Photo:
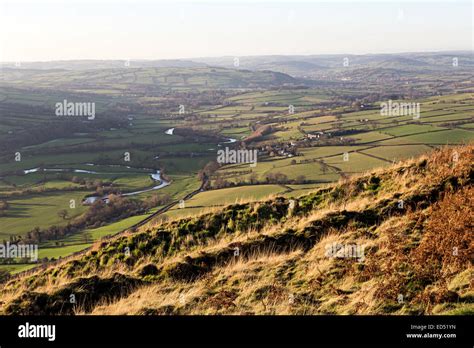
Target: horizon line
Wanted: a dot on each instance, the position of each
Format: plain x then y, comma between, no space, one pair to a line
238,56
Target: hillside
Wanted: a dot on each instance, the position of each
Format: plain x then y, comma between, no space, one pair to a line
306,65
405,232
124,78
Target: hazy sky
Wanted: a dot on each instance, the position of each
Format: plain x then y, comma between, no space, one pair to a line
101,29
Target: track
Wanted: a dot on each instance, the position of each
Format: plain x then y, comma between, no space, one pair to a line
159,211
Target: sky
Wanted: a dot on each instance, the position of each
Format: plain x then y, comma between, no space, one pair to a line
125,29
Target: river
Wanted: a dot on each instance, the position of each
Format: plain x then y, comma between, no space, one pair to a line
89,200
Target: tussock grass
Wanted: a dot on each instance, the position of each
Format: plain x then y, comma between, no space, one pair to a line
266,258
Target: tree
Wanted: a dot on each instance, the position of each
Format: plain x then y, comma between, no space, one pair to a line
300,179
324,167
253,178
4,205
220,182
357,105
270,177
202,175
211,167
280,178
86,237
63,214
157,199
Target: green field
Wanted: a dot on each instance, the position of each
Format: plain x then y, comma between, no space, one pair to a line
313,134
41,211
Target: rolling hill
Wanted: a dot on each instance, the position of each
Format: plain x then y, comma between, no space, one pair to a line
304,65
396,240
122,79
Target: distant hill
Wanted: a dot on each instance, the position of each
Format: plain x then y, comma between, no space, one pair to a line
88,64
295,65
393,241
158,78
330,64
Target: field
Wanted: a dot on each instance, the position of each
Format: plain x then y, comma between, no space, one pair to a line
257,255
174,120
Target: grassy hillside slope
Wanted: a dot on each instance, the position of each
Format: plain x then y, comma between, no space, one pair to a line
405,232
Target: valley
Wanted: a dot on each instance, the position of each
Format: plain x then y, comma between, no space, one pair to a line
152,147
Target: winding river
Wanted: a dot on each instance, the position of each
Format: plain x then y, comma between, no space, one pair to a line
155,176
89,200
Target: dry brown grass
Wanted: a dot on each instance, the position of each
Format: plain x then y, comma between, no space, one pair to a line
410,253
